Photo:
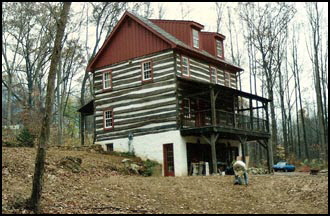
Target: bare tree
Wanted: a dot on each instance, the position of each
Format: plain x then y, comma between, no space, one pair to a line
161,11
296,68
314,17
185,10
219,7
267,24
10,64
45,129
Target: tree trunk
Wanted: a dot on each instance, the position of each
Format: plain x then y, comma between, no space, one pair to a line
284,117
82,116
59,106
45,129
9,101
316,46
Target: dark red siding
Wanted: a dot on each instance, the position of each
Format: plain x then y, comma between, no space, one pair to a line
180,30
130,41
208,43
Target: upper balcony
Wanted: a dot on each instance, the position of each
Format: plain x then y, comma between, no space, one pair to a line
207,108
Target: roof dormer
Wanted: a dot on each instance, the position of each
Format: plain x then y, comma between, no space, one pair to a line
212,43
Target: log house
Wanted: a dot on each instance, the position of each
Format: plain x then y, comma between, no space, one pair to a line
164,89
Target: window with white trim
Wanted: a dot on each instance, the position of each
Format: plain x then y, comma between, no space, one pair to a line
214,76
185,66
195,38
108,119
186,108
107,80
220,76
219,48
146,71
227,79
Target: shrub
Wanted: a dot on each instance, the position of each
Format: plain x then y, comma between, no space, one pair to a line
149,167
25,138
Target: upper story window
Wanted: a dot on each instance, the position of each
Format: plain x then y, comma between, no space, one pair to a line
185,70
108,119
227,79
195,38
147,72
233,83
107,80
213,75
219,45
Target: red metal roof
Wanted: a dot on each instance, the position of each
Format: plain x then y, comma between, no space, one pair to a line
135,36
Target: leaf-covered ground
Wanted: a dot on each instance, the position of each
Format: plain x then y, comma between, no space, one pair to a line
101,188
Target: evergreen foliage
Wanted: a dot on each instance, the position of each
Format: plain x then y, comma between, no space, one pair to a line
25,138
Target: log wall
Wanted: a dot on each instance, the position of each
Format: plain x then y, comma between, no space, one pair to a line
200,70
139,108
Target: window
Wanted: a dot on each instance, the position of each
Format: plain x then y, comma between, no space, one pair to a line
227,79
108,119
185,66
233,83
195,38
219,48
220,77
213,75
107,80
109,147
147,71
186,108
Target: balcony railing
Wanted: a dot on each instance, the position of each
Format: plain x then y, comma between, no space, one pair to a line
194,119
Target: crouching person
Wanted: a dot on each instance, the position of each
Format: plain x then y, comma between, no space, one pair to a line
240,173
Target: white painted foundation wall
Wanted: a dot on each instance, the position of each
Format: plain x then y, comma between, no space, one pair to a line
151,147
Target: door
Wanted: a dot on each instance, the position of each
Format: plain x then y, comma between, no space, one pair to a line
168,160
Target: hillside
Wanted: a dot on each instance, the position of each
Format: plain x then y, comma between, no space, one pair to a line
103,186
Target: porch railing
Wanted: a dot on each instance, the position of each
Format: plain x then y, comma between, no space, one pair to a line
193,119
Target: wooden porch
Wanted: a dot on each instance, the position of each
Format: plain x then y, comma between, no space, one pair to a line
213,111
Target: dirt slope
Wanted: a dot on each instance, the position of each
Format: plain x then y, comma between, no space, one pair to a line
101,189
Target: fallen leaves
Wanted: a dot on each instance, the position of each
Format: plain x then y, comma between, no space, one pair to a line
99,189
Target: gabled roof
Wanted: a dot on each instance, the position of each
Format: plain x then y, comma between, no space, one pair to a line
167,37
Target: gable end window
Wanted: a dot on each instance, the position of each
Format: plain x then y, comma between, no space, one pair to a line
147,71
108,119
195,38
107,80
185,70
219,47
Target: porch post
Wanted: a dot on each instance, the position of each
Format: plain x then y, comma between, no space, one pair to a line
243,143
214,154
251,114
269,155
213,111
234,114
267,116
